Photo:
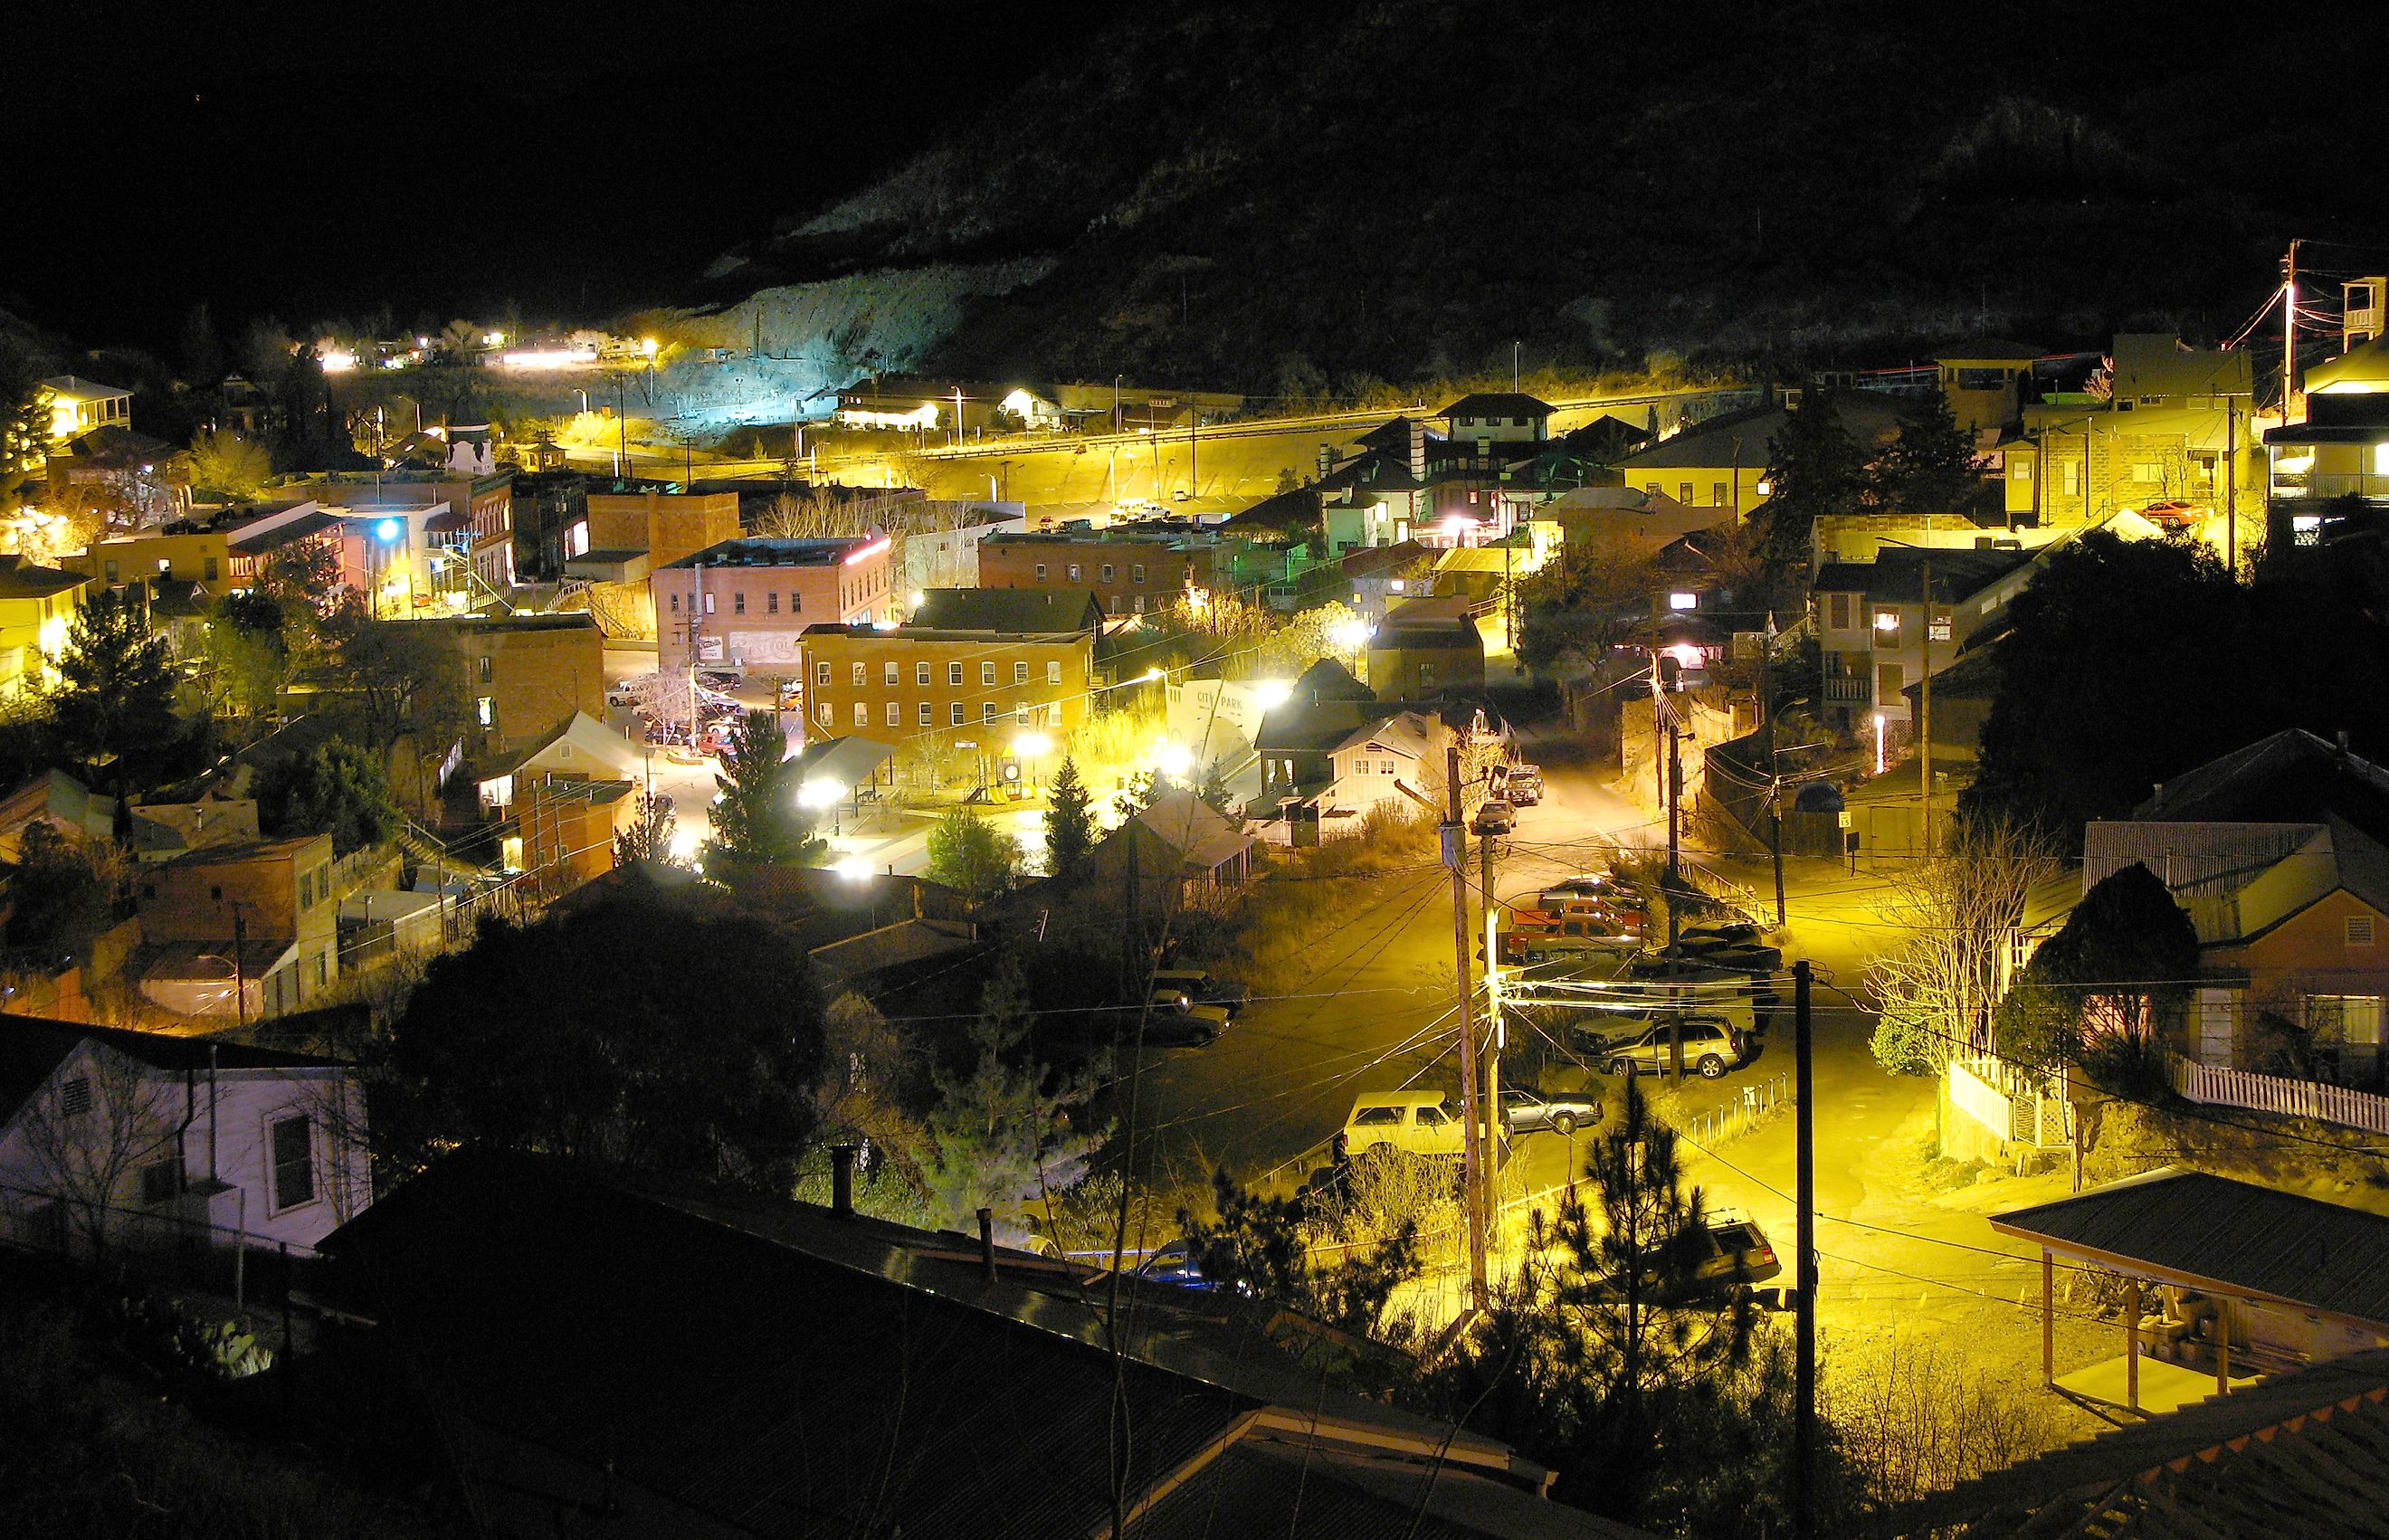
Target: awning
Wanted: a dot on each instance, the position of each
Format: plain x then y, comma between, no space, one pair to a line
842,762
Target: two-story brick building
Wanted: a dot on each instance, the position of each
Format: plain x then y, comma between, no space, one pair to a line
525,674
1130,572
747,603
916,681
239,929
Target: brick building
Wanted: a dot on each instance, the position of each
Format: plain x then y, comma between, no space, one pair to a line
916,681
1130,573
524,675
746,602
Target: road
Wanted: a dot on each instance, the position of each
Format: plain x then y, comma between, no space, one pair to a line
1896,1255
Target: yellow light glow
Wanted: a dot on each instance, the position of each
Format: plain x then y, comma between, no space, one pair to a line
2295,464
1886,620
648,347
495,339
339,361
1171,758
2381,459
818,792
1028,746
1271,693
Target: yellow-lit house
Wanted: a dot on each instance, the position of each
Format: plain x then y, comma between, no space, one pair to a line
78,405
36,605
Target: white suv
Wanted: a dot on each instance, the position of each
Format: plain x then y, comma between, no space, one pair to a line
1416,1123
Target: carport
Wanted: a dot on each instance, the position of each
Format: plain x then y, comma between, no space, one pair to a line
2279,1279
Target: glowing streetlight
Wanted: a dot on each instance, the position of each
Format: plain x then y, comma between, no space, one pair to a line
1271,693
1031,746
1171,759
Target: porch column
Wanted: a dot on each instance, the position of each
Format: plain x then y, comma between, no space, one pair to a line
2048,1321
2222,1344
2132,1347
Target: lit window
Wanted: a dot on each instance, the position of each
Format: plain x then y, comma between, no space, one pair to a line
892,673
821,674
486,709
859,674
709,603
895,714
1020,673
1054,673
1682,601
862,715
986,673
1886,620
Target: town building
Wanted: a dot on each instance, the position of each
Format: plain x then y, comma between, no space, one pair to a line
564,828
579,749
1871,631
1037,611
225,555
1130,572
949,558
1427,647
1987,381
78,405
1331,754
1721,463
245,931
455,531
747,603
922,682
524,674
1168,854
142,1143
551,514
37,603
1498,417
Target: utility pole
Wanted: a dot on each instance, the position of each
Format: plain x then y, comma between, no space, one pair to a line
1489,1100
1924,698
1774,765
1804,1369
2289,329
1194,481
1675,818
2231,488
1455,858
239,994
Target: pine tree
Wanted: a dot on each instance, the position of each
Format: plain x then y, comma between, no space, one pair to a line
24,425
758,822
1071,825
1930,467
1814,468
114,697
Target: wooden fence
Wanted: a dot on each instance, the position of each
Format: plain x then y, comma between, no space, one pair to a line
2014,1104
2271,1093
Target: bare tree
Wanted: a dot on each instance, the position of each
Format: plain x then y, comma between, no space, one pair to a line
92,1129
1917,1418
1959,908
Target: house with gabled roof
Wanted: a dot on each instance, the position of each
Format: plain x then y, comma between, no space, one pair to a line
144,1141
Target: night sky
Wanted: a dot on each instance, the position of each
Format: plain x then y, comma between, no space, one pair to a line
445,158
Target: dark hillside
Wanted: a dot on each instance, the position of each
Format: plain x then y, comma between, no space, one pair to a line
1286,197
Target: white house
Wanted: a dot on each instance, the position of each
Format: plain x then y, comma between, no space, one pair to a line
582,749
135,1140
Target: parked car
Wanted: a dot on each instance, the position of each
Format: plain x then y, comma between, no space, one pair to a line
1536,937
1199,988
1524,786
1711,1047
717,678
1176,1264
1616,913
1732,1252
1413,1122
1496,817
791,695
2177,515
1176,1022
1526,1110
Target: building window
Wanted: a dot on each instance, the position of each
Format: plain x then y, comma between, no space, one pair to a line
486,709
820,709
1136,572
986,673
294,1162
860,674
953,673
1717,494
956,714
1684,494
485,668
212,570
1110,571
1020,673
796,602
895,714
161,1181
1075,571
929,715
1054,673
921,674
2358,930
1427,675
1890,679
1041,572
772,603
821,674
675,603
1020,713
2020,471
987,711
2069,478
892,673
861,714
738,602
75,1096
709,603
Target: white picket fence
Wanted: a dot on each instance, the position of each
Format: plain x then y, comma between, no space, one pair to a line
2270,1093
2013,1102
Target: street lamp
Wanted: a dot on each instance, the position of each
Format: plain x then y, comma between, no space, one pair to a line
1351,636
820,793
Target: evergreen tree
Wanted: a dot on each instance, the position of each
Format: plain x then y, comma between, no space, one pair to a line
1814,468
1930,466
114,697
969,854
649,837
1215,793
24,424
1071,825
758,821
339,790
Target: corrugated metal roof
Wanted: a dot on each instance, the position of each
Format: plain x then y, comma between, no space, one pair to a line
2211,1229
2246,1463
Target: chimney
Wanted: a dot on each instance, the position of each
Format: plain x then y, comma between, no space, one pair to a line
987,1242
1418,450
841,1184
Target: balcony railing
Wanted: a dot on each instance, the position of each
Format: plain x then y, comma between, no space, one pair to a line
1848,690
